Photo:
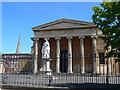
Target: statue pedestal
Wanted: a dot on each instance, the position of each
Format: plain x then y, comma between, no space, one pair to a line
45,68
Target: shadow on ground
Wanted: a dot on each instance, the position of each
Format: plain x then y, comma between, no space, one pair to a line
87,85
68,86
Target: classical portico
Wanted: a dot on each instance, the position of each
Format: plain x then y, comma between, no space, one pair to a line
67,36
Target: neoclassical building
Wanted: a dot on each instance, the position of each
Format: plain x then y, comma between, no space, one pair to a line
74,46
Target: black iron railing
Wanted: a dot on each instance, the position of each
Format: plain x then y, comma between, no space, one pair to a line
18,69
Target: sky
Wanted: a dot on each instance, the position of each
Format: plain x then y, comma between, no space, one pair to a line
18,18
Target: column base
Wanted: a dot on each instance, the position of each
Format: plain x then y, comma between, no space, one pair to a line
69,72
82,72
35,72
95,72
58,72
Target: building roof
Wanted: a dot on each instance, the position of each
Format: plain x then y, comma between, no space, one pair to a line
64,23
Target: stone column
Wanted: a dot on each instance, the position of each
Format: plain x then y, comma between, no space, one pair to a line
57,55
82,54
36,55
109,65
94,53
33,53
39,52
69,55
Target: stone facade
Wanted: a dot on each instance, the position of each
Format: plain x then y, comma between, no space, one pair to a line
72,37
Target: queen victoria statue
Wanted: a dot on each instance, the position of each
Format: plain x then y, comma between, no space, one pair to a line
46,50
45,67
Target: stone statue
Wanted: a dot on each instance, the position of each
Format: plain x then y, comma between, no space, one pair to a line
46,50
45,66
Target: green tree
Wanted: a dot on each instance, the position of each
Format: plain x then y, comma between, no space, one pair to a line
107,19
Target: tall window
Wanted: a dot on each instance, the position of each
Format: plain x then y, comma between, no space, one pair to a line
101,58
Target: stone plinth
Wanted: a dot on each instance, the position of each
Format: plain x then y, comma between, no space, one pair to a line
45,68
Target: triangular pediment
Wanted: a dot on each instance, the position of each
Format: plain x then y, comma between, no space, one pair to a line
64,24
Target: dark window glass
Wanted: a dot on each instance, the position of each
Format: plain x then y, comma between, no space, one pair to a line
101,58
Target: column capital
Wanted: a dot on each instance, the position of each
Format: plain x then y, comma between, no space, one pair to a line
35,38
70,37
94,36
46,38
81,37
57,38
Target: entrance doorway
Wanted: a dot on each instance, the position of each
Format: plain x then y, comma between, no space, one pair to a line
63,61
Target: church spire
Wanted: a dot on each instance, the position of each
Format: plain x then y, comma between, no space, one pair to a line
18,46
